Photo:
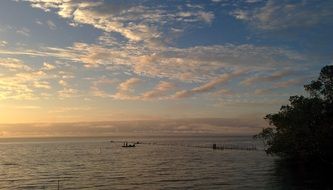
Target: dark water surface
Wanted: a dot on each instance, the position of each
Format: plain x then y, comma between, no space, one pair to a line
167,163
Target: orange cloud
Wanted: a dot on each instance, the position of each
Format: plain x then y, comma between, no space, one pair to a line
125,89
159,90
208,86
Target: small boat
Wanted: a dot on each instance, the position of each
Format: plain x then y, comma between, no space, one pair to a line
126,145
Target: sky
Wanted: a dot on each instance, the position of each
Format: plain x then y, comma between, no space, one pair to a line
79,67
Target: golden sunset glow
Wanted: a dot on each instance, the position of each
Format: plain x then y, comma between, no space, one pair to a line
106,61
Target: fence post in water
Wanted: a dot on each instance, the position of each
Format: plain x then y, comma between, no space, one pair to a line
58,184
214,146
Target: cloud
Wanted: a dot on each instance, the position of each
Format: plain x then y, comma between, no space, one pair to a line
281,85
68,92
91,55
241,15
22,85
195,64
263,91
39,22
48,66
204,71
159,91
290,82
128,84
23,31
268,78
3,43
211,85
190,126
98,85
63,83
206,16
126,88
41,84
30,107
134,21
203,63
253,1
223,92
13,64
280,15
69,109
19,81
51,25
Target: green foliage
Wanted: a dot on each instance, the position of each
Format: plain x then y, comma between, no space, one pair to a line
303,130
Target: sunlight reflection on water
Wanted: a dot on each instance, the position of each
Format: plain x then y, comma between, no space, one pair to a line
95,163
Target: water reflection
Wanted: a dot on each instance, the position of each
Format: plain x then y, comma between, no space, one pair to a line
303,176
99,164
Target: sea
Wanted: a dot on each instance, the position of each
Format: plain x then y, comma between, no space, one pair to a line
157,162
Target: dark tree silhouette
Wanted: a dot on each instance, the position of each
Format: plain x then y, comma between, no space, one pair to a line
303,130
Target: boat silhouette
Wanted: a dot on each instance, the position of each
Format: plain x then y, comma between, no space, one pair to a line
127,145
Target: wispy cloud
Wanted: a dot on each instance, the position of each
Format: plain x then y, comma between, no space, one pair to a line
126,88
211,85
69,109
147,59
128,84
263,91
280,15
23,31
170,126
197,64
13,64
290,82
31,107
51,25
68,92
159,91
3,43
134,21
22,85
281,85
21,81
268,77
48,66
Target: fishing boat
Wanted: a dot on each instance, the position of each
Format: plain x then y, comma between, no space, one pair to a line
127,145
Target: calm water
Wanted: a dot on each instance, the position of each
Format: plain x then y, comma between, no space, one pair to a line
169,163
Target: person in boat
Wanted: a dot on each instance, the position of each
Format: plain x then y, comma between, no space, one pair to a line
126,144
